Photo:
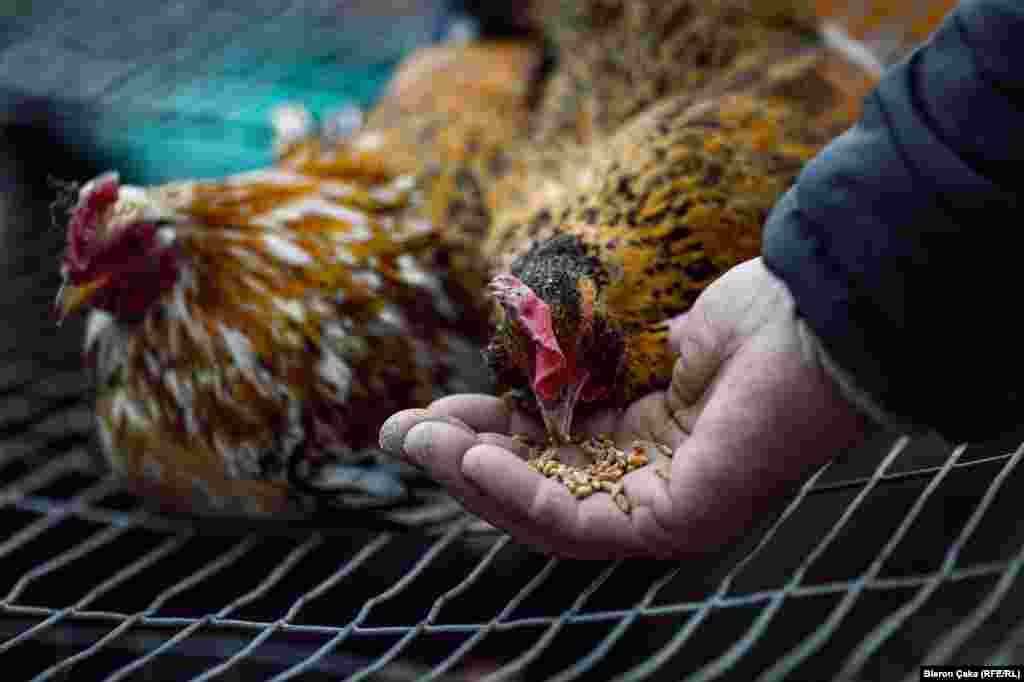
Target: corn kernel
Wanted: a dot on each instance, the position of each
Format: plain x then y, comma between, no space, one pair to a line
637,459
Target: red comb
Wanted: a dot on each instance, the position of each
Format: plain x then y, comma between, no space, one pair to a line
95,197
535,316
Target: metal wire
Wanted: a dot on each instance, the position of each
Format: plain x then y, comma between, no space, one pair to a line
481,632
727,659
24,496
954,639
225,560
520,663
28,494
821,635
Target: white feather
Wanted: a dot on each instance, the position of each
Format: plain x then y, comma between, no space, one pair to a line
370,278
368,141
238,346
335,373
359,226
123,408
411,272
836,37
291,308
272,176
286,251
393,316
99,321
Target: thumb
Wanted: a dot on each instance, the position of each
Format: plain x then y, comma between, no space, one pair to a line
701,355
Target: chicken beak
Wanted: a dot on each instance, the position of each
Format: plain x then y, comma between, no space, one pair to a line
72,298
558,414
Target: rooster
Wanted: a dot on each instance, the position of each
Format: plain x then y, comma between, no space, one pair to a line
250,335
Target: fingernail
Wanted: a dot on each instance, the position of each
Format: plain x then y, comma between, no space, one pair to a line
392,431
419,442
389,435
417,439
422,438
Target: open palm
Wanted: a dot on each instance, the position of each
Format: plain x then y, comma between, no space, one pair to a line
746,415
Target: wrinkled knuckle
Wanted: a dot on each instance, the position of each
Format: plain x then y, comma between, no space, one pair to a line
682,418
677,396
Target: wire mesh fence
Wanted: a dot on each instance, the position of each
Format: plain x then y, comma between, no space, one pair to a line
876,565
902,552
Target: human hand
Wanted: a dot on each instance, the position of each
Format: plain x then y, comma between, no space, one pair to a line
747,417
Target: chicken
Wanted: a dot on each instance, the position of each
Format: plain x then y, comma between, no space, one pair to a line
618,57
643,211
250,335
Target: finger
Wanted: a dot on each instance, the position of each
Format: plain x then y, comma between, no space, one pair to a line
592,528
517,447
503,490
700,357
650,419
438,443
440,449
510,495
488,413
393,431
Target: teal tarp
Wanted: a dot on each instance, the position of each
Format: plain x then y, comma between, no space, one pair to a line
164,90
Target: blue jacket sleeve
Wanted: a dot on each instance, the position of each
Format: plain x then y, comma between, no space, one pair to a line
900,240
